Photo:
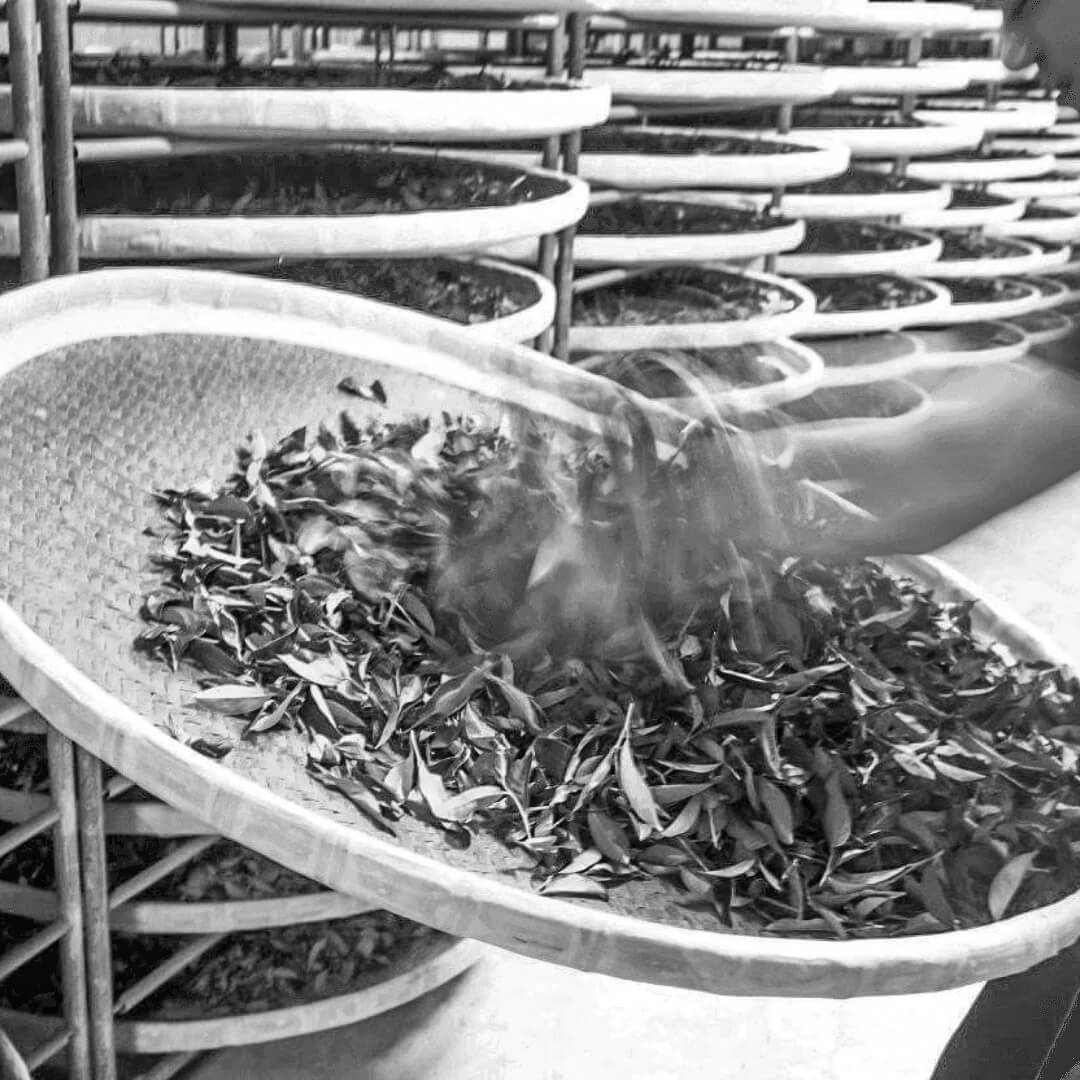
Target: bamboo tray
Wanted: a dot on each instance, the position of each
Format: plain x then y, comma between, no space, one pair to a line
423,968
1011,117
1055,230
178,917
844,421
970,345
521,326
852,361
957,313
1035,260
874,143
1067,164
977,171
652,172
696,335
803,370
1044,327
1044,188
649,249
913,260
895,80
813,205
740,89
878,320
147,818
893,18
429,232
261,353
965,217
330,114
1049,142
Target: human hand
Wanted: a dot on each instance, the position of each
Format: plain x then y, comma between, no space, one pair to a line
1046,32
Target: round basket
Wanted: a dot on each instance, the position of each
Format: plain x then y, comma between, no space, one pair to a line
878,320
147,818
1034,260
235,236
1064,229
832,16
965,217
1049,187
975,170
895,80
650,249
839,206
841,416
1066,164
1044,327
1070,282
909,260
178,917
1052,141
1010,117
422,969
717,87
255,351
853,361
875,143
331,114
529,321
698,335
656,172
801,368
1031,299
970,345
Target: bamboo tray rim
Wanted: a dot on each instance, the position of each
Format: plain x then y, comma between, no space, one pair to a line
330,113
876,320
1036,261
45,317
790,387
1065,327
419,972
931,359
866,430
520,326
165,917
896,367
913,260
992,311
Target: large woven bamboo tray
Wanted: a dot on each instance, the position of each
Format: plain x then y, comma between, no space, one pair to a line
331,114
796,84
237,236
117,381
422,968
892,18
651,172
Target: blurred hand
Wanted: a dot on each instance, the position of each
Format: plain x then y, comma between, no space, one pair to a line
1046,32
996,436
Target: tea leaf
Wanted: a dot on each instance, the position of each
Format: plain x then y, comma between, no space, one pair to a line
635,789
609,838
778,808
575,885
1007,882
837,817
233,700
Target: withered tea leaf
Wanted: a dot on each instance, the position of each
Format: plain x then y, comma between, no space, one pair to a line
234,699
1007,882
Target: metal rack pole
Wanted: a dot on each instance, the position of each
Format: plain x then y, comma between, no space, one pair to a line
60,136
571,151
30,171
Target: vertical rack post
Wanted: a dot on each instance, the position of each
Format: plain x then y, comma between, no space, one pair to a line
231,42
26,111
576,27
60,136
785,115
556,62
62,785
96,915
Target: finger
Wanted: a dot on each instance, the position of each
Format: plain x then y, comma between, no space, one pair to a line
1017,52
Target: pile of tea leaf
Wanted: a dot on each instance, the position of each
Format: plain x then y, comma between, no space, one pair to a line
795,748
